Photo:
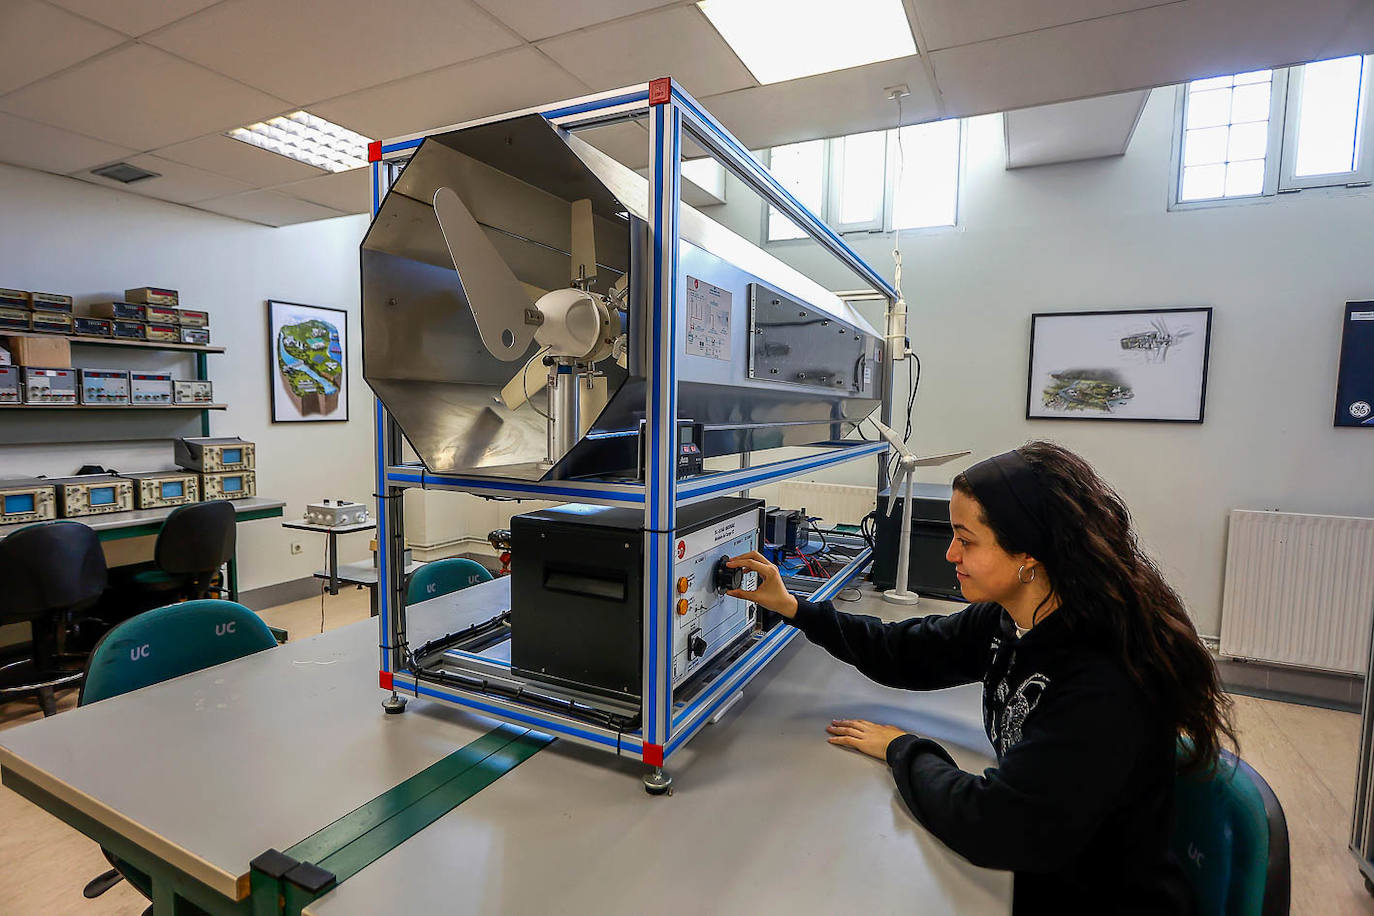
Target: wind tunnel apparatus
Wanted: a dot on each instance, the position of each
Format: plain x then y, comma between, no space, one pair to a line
504,308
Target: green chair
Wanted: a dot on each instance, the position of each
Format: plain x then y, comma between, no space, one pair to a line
157,646
443,577
1231,837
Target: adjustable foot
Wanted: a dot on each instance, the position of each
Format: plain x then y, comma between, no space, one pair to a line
394,704
658,782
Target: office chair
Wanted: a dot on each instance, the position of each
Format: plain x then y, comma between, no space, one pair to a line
156,646
49,572
443,577
192,544
1232,839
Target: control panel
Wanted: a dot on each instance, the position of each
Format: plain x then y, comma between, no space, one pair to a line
15,319
9,385
123,311
52,322
161,314
104,386
96,494
49,386
149,388
92,327
198,336
214,454
229,485
193,318
705,619
193,392
27,499
130,330
165,333
336,512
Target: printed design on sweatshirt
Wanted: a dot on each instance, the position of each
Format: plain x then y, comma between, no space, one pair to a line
1014,710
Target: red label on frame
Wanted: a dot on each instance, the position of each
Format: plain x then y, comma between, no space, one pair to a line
374,151
681,549
660,91
384,680
653,755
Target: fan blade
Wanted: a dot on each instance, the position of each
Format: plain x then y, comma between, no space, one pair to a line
506,319
932,460
895,485
583,243
528,382
895,440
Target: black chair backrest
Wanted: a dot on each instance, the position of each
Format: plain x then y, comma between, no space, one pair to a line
50,566
196,539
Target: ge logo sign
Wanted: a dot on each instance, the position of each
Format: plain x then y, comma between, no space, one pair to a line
138,652
1359,410
223,628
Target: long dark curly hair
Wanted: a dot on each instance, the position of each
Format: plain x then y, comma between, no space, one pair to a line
1111,593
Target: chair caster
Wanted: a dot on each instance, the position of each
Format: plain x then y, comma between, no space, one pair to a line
101,883
658,782
394,704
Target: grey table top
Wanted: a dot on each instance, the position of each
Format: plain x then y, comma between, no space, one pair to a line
136,517
301,525
766,816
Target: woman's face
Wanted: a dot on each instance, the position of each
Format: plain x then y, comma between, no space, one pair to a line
986,572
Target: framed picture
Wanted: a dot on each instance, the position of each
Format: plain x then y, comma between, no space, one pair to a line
1355,378
308,362
1119,365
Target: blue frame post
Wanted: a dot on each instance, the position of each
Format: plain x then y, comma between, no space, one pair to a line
660,479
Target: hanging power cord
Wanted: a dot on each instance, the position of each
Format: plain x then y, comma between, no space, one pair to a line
324,583
524,382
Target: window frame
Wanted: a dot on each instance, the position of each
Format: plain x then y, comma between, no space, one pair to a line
1285,106
890,197
1288,181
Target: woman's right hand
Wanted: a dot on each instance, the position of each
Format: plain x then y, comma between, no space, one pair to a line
769,592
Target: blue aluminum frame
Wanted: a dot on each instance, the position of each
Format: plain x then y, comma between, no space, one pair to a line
664,729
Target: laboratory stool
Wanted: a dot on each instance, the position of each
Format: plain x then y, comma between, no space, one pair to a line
443,577
193,543
49,572
1231,837
157,646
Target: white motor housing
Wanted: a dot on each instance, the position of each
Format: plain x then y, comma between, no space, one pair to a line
577,324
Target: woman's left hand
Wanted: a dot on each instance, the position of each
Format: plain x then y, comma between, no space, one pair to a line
862,735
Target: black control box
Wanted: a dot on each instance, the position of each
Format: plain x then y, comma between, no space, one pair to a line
928,572
577,591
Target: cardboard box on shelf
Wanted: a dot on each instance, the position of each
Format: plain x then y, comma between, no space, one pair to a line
40,351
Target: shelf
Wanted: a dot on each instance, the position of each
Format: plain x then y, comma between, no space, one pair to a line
115,406
112,342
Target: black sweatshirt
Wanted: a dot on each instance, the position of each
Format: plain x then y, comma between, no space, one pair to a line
1080,803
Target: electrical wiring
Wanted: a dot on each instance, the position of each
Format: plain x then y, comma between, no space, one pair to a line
524,383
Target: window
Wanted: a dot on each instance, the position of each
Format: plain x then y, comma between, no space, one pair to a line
872,182
1265,132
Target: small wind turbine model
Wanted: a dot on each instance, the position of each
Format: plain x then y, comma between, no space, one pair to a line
907,463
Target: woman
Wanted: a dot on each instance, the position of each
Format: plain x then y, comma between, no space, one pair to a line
1091,672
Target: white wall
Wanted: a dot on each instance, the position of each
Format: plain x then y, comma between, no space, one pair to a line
65,236
1097,235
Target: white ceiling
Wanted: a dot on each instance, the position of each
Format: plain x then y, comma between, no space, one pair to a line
87,82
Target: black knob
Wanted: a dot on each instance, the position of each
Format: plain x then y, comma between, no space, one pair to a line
725,578
696,646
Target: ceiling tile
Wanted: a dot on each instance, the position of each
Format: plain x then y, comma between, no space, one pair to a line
1159,46
677,42
50,149
503,82
37,40
347,192
317,49
536,19
177,183
1072,131
142,98
236,159
826,105
268,208
134,17
946,23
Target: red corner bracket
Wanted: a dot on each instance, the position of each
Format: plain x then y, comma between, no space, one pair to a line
660,91
374,151
653,755
385,681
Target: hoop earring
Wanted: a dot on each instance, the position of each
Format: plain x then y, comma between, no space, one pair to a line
1020,570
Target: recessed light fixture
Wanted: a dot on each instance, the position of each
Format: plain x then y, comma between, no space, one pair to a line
306,138
124,172
787,39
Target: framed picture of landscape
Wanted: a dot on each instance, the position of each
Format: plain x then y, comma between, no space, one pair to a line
1148,364
308,362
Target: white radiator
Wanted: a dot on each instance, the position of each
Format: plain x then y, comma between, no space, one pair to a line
833,503
1299,589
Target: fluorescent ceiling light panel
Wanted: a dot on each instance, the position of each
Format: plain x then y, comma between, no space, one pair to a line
306,138
786,39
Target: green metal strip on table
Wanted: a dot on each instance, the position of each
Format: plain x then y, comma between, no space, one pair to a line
367,833
149,528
